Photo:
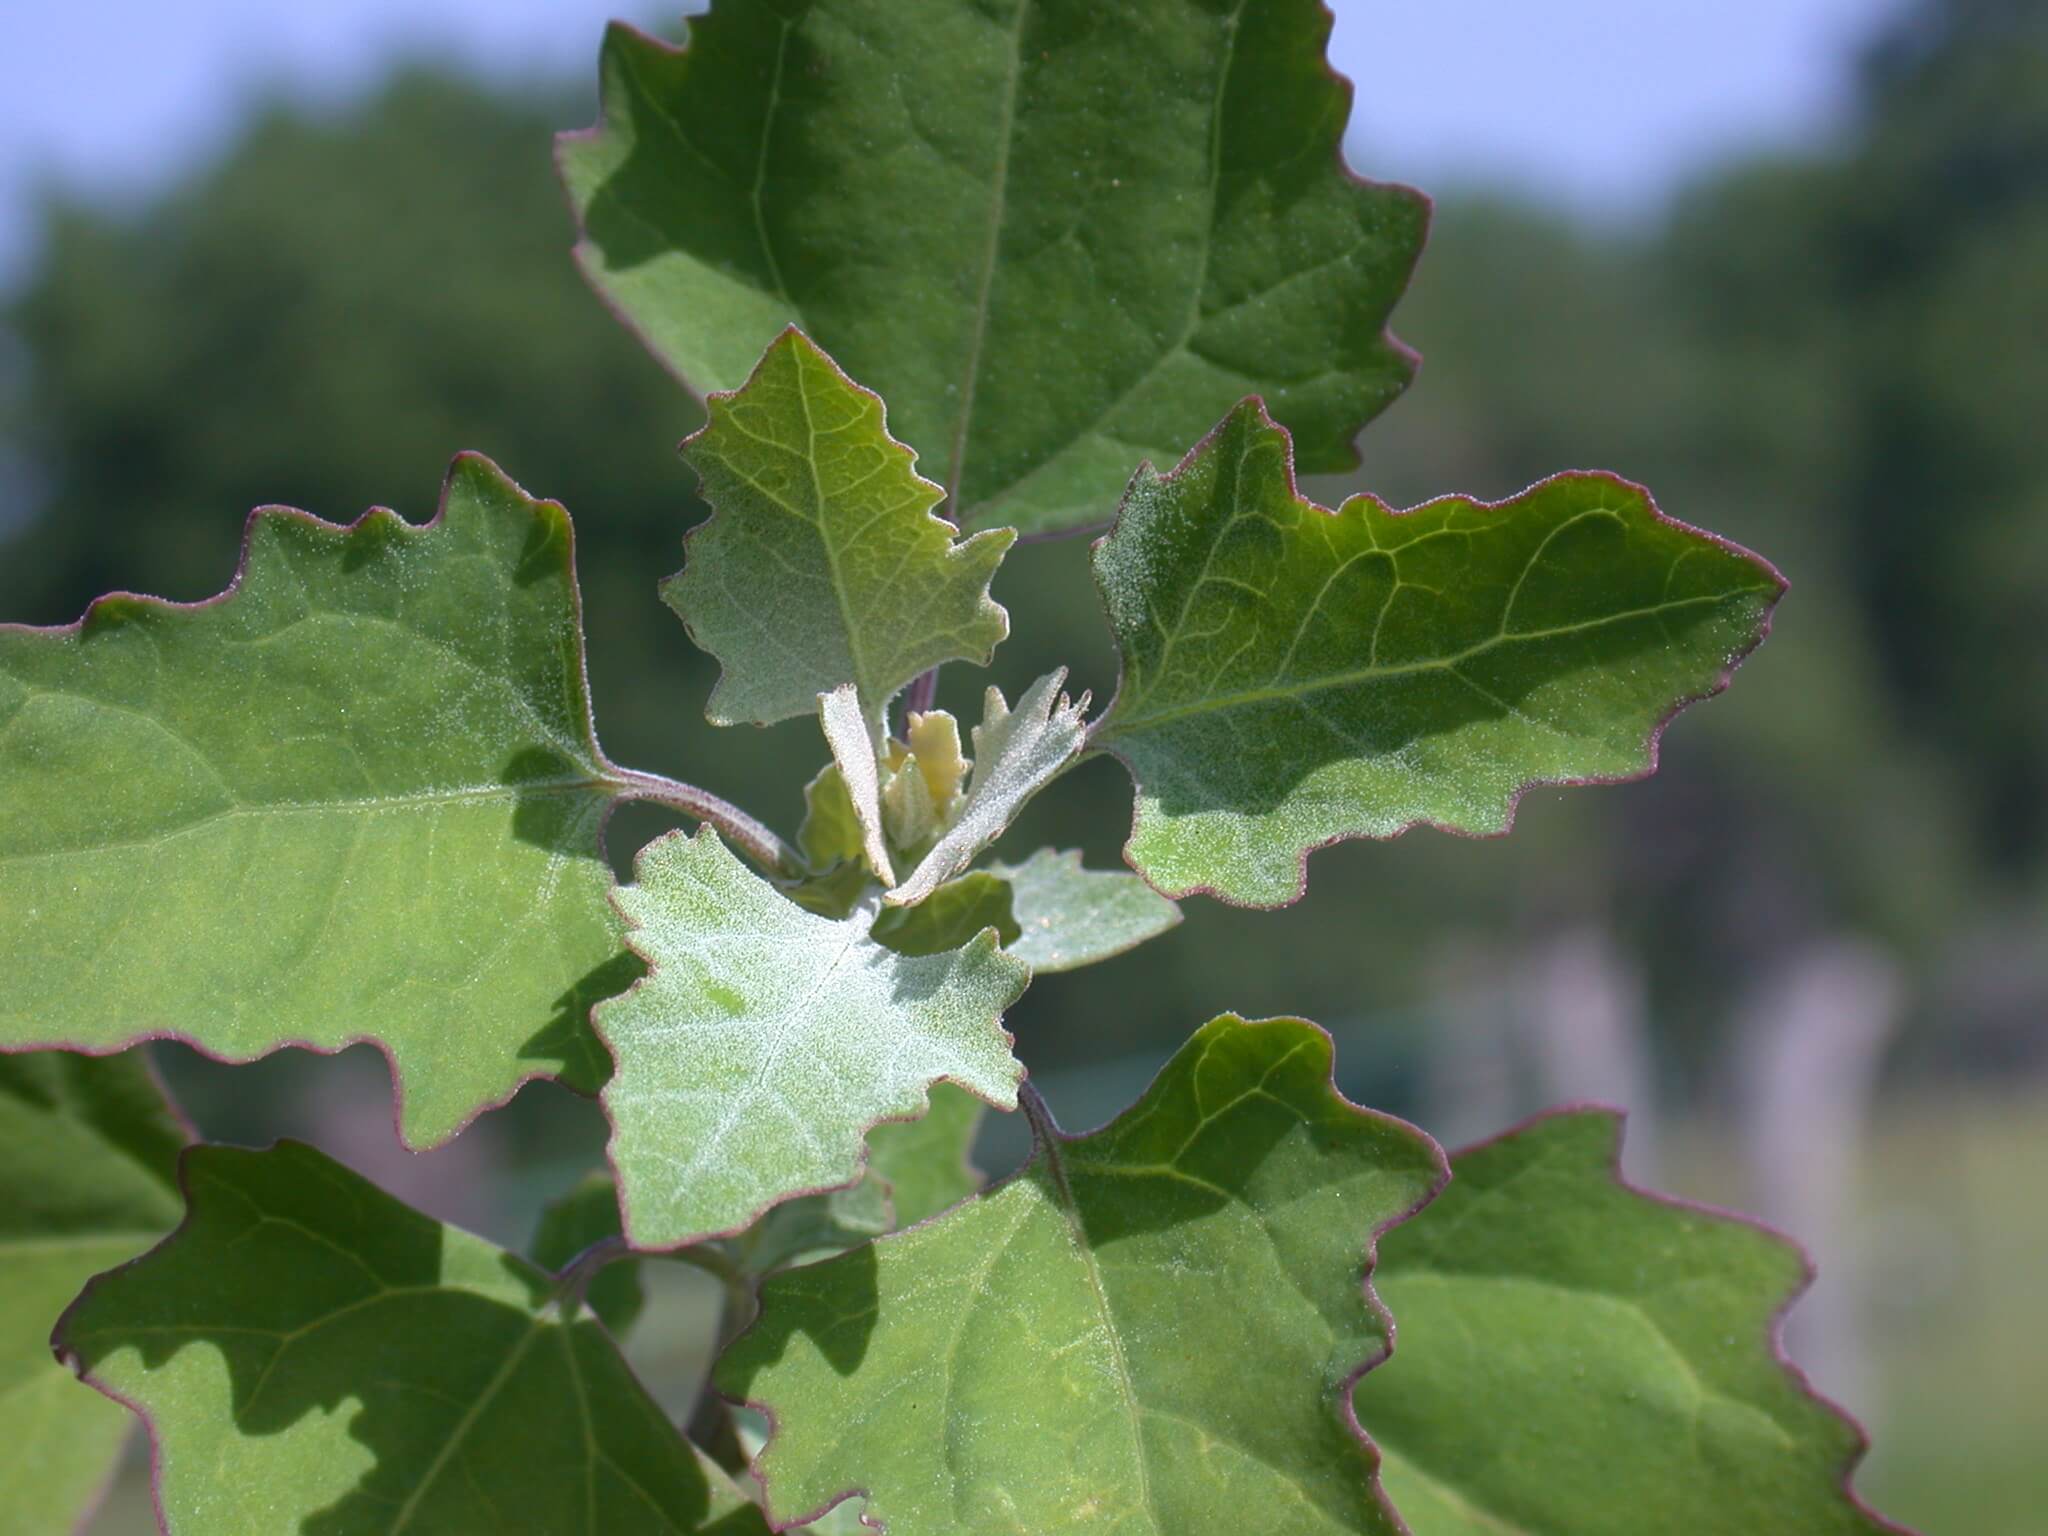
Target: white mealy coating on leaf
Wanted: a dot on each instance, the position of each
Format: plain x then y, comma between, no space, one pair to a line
853,749
766,1041
1016,754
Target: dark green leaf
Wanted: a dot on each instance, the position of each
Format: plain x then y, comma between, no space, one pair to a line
88,1156
1293,676
312,1356
949,917
1057,239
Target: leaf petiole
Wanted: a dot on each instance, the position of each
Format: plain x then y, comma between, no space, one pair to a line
752,838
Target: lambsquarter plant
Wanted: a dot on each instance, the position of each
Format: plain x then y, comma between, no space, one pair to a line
358,797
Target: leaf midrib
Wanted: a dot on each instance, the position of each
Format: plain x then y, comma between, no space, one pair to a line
1377,672
281,810
1134,1410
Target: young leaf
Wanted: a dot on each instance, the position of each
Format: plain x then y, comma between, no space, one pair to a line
356,796
949,917
765,1041
309,1354
1016,754
859,786
88,1156
1578,1358
1055,246
1068,917
569,1227
1152,1328
822,563
1294,676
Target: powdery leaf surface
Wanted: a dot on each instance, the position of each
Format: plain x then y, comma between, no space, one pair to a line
1150,1329
312,1356
1578,1358
1017,752
1068,917
88,1158
822,563
1294,676
1056,247
356,796
765,1041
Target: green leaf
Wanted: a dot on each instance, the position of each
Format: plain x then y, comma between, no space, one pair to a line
310,1355
831,832
357,796
1055,246
1016,754
1578,1358
88,1157
1294,676
1068,917
926,1162
584,1217
766,1040
1150,1329
949,917
822,563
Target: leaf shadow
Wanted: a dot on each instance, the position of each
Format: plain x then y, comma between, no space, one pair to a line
834,1303
327,1300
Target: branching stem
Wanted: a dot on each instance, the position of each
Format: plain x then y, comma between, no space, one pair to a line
573,1283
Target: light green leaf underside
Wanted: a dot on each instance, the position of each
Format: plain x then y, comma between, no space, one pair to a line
949,917
88,1154
1580,1359
766,1041
1017,752
859,784
822,563
927,1162
1068,917
312,1356
355,797
1055,246
1293,676
1149,1330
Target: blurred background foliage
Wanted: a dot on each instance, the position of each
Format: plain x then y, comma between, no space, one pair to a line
1840,360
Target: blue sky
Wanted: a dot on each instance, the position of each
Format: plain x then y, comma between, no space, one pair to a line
1605,104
